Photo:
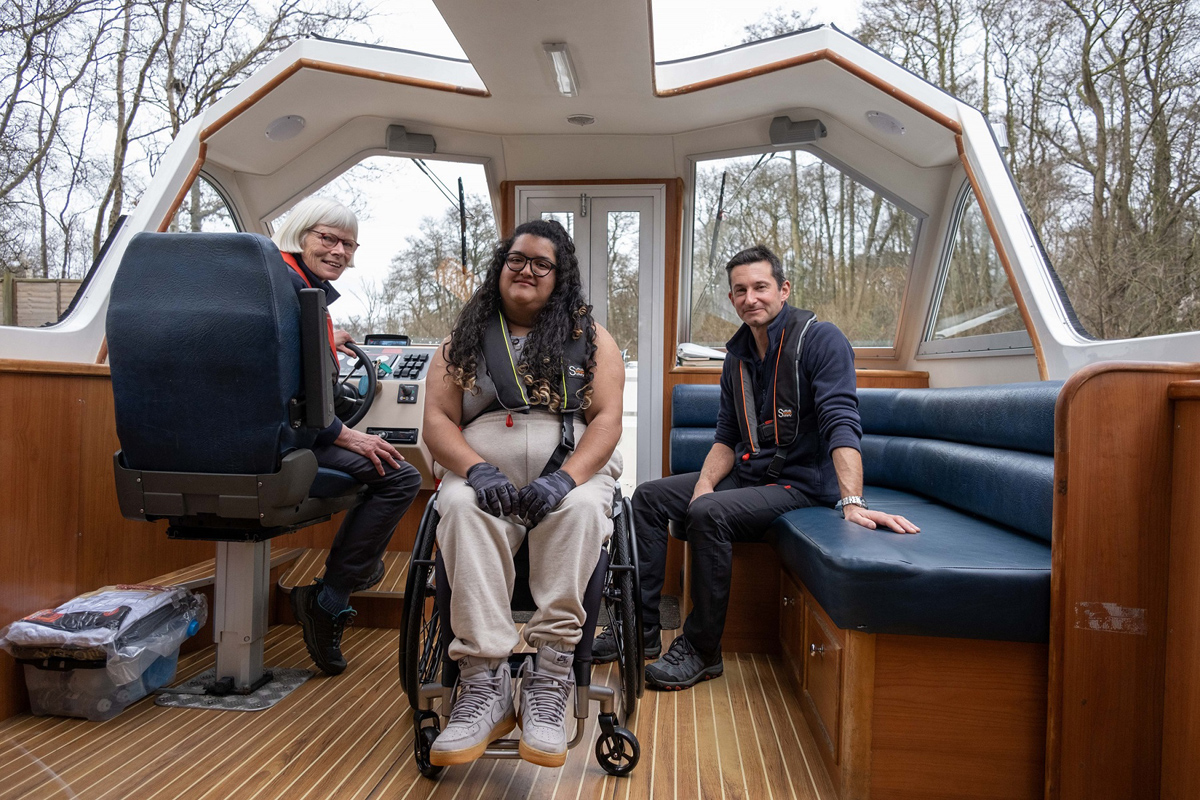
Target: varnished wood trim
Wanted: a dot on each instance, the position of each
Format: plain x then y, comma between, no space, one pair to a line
807,58
53,368
102,355
184,189
338,69
1184,390
1110,544
908,374
1181,717
1022,306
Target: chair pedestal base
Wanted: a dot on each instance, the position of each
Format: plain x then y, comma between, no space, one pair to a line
241,596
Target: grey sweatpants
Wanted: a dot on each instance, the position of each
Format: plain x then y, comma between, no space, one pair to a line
478,548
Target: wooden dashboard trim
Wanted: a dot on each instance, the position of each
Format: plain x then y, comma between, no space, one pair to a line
54,368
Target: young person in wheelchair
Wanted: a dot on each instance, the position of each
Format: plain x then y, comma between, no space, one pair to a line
525,371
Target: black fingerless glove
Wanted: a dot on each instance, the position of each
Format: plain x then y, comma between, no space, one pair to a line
543,495
494,492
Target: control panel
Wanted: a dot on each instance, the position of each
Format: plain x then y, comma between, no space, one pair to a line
398,410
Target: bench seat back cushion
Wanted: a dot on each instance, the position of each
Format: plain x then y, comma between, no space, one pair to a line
1007,486
693,425
960,576
1011,416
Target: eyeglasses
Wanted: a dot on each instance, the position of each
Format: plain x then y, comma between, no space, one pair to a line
331,241
540,267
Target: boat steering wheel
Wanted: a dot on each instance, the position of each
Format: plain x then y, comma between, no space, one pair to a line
351,401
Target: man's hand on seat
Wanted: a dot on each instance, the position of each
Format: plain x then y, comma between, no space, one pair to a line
543,495
494,492
340,337
373,448
873,519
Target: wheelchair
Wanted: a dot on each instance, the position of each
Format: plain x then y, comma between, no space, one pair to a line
428,675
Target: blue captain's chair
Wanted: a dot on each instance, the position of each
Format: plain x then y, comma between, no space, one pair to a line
222,378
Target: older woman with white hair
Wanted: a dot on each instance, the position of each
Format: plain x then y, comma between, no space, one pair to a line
318,240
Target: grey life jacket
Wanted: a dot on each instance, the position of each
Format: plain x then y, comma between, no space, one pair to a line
783,427
511,396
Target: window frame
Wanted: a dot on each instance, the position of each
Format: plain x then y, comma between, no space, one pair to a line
683,327
1015,343
216,186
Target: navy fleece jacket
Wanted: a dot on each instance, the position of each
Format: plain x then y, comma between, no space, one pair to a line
827,411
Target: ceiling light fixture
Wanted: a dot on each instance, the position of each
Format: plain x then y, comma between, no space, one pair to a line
581,119
885,123
564,70
284,128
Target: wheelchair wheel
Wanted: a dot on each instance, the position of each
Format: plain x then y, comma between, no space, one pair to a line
420,626
617,749
623,603
422,743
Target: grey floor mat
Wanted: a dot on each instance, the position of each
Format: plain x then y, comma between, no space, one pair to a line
283,683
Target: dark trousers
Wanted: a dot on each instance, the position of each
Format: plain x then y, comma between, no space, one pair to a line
368,527
711,524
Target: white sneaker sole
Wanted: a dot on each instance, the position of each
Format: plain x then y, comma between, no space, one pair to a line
541,757
448,758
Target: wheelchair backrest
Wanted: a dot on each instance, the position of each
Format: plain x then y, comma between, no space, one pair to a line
204,344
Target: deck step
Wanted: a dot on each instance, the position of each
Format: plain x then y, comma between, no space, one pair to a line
205,572
311,566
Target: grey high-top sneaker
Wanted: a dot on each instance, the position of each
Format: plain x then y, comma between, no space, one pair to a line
547,691
482,712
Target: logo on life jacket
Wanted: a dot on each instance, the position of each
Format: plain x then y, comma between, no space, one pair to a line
785,413
575,372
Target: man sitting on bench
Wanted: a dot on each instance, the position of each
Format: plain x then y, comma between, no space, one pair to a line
787,437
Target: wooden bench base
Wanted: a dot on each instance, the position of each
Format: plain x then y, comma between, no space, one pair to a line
917,717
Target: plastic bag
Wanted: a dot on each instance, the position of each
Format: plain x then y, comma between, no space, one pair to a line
128,627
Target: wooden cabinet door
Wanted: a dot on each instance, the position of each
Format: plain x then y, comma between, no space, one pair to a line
791,627
822,681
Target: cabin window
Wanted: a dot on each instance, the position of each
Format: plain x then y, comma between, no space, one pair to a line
204,210
846,248
408,276
975,309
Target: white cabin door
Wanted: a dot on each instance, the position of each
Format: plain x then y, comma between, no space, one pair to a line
620,242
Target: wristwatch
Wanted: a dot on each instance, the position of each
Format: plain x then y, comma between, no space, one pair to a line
852,500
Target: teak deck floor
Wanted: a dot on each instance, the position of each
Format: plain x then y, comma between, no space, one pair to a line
740,736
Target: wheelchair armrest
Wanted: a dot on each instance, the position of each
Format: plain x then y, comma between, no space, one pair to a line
265,500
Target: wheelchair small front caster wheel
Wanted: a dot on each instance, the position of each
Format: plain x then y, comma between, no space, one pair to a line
618,752
422,742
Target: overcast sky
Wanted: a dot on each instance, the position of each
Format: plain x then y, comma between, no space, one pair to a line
391,205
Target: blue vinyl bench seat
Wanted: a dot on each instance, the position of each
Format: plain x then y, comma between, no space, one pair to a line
961,576
972,467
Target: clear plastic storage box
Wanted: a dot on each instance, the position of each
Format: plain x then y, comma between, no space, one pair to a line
94,655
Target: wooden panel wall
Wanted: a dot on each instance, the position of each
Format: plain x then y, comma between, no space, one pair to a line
1181,718
957,718
39,512
1114,435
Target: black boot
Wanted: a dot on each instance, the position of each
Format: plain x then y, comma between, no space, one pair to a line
604,648
322,630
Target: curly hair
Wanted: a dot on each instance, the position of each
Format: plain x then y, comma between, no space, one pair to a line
565,314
